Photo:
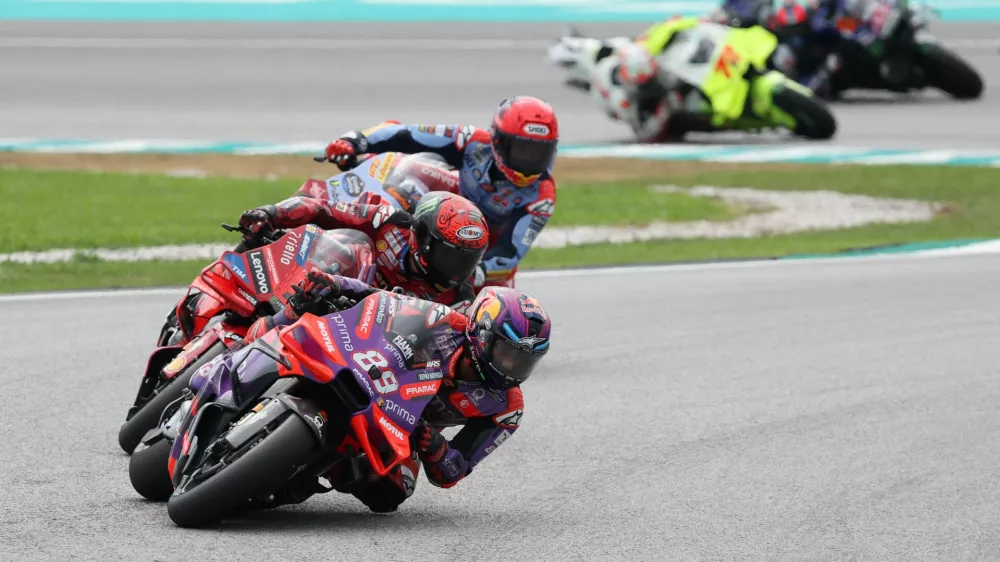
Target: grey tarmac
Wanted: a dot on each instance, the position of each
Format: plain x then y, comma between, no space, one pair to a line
791,411
312,82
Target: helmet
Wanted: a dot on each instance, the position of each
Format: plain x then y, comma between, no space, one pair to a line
452,237
525,137
636,65
508,334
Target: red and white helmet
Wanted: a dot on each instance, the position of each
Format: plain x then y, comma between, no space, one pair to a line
636,65
525,138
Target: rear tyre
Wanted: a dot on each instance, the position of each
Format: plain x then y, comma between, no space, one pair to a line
147,470
269,464
947,71
148,417
813,119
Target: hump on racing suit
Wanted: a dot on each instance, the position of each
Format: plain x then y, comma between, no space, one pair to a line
515,215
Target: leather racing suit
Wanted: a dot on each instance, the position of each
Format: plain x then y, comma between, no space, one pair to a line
488,417
515,216
389,230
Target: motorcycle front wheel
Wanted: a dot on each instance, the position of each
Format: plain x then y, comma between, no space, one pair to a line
947,71
260,468
133,430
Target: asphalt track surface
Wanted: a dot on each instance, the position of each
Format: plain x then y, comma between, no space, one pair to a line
295,82
793,411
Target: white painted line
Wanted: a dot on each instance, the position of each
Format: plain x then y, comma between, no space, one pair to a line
922,157
983,248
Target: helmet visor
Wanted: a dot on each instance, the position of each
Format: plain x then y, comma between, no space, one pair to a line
449,265
525,156
514,363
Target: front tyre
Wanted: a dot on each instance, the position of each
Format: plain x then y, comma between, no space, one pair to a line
268,464
813,119
148,472
947,71
148,417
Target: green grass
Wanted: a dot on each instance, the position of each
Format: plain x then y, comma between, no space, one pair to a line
154,210
51,209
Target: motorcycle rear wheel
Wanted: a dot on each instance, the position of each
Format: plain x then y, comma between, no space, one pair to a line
948,72
133,430
813,120
267,466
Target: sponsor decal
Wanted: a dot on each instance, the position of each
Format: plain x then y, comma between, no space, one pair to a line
364,379
177,364
353,184
385,168
465,133
270,264
542,208
398,410
260,278
247,296
498,441
437,313
381,245
431,376
395,353
419,389
318,420
441,176
470,233
536,130
509,419
530,341
325,334
404,346
236,265
380,315
391,428
288,250
306,245
382,215
342,207
395,240
343,332
365,328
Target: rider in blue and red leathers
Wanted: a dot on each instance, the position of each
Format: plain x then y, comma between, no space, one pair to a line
505,171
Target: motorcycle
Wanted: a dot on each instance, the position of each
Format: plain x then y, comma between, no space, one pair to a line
401,179
228,296
728,67
327,393
878,45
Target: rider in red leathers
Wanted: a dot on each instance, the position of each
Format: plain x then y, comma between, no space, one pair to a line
506,171
430,254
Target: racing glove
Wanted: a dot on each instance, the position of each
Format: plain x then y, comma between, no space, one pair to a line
319,286
344,151
430,444
258,221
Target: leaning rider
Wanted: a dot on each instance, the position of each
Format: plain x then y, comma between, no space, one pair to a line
491,351
506,171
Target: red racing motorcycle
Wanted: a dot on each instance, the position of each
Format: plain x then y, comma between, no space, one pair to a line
224,301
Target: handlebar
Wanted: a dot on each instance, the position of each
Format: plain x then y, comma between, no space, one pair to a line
265,238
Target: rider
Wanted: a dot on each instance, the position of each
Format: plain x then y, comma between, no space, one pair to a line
506,171
430,254
488,353
633,87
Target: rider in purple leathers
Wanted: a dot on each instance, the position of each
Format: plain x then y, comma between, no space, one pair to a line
807,32
490,351
505,171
